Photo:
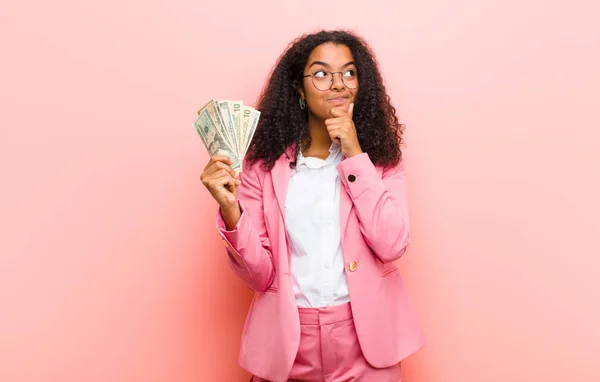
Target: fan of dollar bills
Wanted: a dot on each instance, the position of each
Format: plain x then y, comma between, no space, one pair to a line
227,128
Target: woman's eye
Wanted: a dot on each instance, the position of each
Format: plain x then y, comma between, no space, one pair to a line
350,73
320,74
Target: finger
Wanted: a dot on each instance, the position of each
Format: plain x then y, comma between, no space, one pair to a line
342,125
214,180
332,121
337,112
225,184
351,110
218,166
216,170
222,158
335,126
230,184
224,172
336,134
218,158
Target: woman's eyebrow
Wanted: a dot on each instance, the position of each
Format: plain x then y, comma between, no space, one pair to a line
329,66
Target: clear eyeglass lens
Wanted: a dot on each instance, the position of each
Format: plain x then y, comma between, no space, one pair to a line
324,79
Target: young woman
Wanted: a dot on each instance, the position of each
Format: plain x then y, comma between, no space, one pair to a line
317,218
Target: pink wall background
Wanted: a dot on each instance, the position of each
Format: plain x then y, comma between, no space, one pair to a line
110,267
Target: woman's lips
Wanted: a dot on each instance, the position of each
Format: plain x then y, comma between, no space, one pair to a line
338,100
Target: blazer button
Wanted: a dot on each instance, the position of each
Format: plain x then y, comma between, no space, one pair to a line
353,266
351,178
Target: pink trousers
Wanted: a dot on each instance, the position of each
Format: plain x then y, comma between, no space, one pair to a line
329,350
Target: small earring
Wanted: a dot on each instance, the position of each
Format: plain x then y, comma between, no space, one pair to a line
302,103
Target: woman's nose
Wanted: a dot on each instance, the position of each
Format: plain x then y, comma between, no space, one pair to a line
338,83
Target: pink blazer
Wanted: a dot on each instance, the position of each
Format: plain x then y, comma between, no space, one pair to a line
375,233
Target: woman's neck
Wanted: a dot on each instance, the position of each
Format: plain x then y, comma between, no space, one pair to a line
320,142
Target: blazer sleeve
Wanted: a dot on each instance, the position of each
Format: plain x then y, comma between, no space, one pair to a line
381,204
247,244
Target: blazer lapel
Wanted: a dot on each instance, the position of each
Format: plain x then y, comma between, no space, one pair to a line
345,207
280,174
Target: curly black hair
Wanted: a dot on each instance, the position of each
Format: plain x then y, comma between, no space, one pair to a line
282,123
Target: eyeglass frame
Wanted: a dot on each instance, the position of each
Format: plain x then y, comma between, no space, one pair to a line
332,78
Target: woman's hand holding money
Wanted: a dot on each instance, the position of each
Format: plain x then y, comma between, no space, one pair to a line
221,181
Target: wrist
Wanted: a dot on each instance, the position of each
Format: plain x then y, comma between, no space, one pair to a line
353,153
230,208
231,215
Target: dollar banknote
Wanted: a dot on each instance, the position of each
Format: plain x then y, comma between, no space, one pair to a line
227,128
214,139
235,109
249,121
212,107
226,117
249,129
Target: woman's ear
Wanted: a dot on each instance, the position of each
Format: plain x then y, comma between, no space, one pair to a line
299,89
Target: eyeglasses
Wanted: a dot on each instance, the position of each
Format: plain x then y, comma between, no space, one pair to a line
323,79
